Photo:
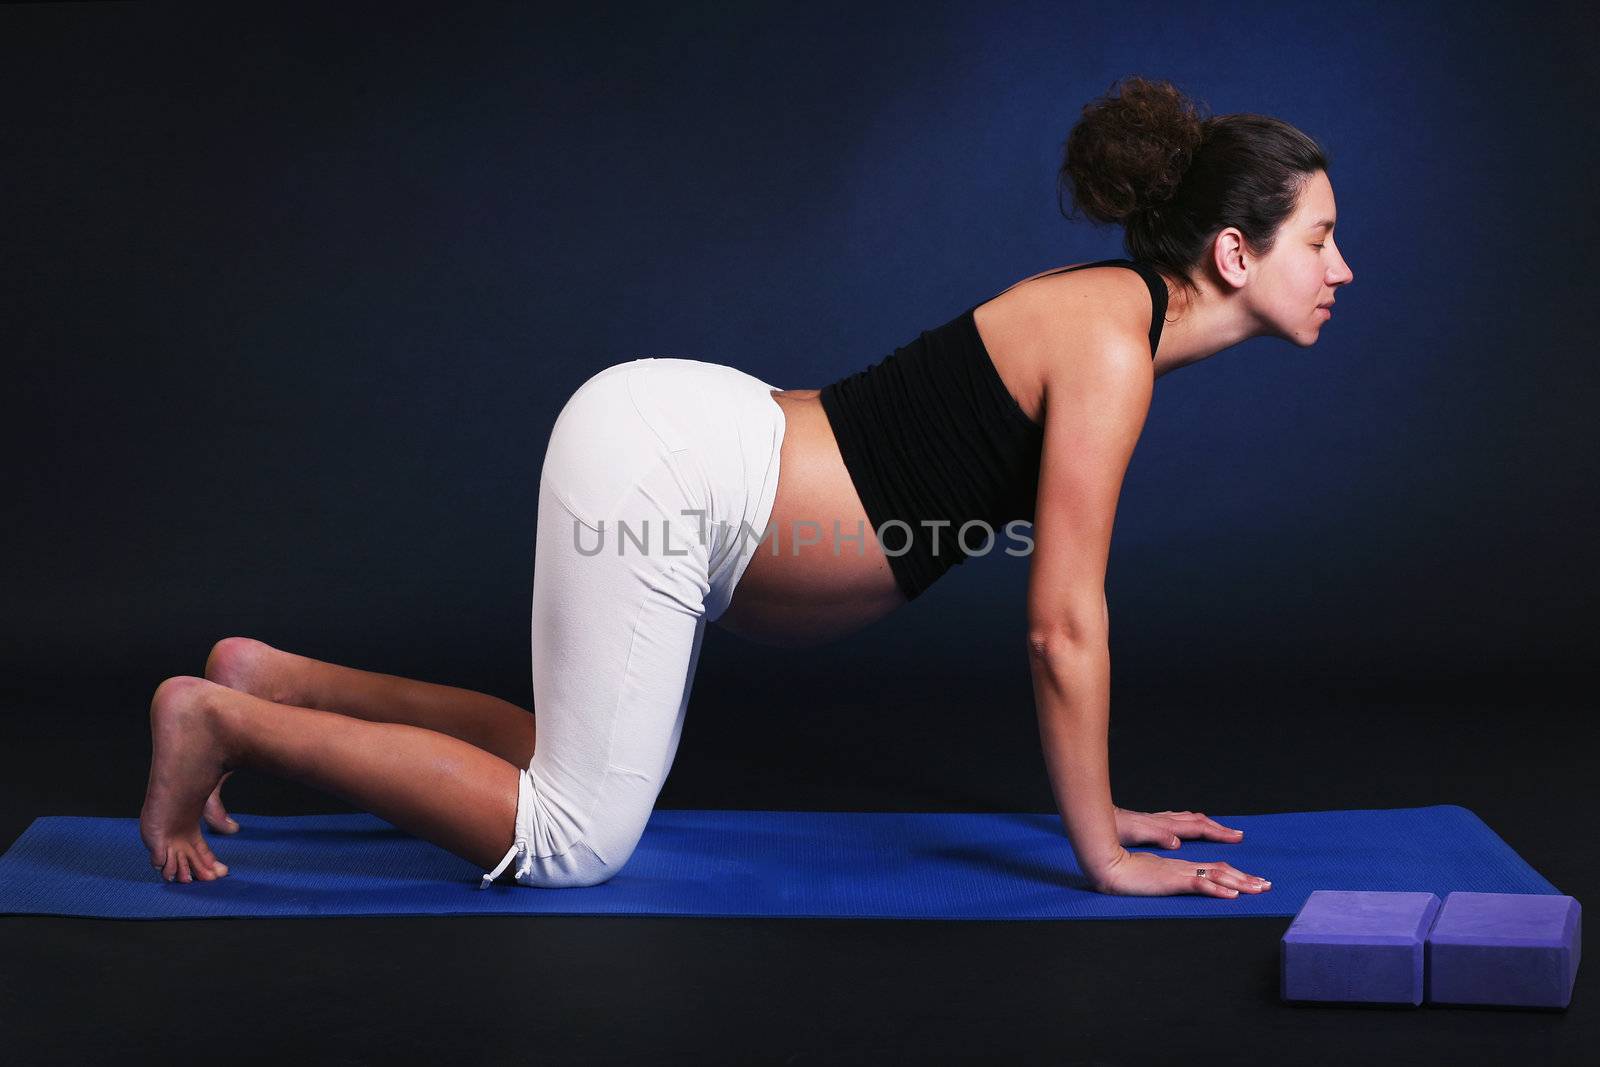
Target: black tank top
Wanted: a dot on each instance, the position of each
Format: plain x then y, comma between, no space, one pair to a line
932,438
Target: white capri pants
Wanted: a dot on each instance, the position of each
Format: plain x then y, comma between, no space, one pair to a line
656,490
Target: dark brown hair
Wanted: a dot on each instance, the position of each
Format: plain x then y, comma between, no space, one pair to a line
1144,157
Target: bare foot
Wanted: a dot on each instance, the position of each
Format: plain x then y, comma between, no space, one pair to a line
190,754
253,667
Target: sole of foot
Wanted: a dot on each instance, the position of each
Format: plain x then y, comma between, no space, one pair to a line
189,757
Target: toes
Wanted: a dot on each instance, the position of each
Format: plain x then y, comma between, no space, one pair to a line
216,815
192,864
222,824
208,860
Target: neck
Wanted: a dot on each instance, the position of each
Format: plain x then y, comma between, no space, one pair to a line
1199,325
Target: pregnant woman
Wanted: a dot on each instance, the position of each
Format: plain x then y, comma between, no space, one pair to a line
676,493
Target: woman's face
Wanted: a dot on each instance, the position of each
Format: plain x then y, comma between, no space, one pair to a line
1303,270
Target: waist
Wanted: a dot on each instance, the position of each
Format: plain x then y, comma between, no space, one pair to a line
925,471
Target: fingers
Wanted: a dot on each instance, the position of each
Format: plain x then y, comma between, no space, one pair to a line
1227,877
1195,824
1219,832
1145,874
1208,887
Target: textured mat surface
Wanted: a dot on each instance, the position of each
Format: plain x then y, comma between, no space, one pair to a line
753,863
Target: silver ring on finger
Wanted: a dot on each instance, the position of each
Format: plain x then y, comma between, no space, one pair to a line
1200,872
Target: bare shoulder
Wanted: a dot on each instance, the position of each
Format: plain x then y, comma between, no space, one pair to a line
1060,330
1102,347
1098,300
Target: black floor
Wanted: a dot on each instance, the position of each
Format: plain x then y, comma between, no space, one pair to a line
694,991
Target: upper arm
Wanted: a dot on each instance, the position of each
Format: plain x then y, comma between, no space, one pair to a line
1094,412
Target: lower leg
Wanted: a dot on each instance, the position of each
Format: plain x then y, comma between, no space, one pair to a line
489,723
254,667
431,785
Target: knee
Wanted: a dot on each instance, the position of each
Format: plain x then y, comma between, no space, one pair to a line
577,867
573,856
574,844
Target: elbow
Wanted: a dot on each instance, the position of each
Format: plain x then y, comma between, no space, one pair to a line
1066,642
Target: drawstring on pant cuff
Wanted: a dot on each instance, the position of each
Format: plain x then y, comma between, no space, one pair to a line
520,847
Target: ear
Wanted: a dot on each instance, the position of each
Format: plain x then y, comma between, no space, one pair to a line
1228,255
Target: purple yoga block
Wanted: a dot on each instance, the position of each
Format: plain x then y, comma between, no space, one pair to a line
1513,949
1365,947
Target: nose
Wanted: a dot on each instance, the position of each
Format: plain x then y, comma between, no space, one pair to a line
1341,275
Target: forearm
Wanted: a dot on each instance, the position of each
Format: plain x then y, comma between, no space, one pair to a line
1072,691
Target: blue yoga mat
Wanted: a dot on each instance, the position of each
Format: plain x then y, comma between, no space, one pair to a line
752,863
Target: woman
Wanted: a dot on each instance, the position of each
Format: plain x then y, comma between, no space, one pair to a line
670,485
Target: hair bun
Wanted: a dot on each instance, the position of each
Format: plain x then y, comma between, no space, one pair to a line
1129,151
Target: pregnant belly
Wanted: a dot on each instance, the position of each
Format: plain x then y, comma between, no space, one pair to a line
803,584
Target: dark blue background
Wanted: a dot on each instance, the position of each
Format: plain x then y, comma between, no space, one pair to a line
290,297
293,300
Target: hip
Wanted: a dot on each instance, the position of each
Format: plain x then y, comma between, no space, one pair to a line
658,437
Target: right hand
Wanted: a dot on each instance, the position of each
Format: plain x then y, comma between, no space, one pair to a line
1144,874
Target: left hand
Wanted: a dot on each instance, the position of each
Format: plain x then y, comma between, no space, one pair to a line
1168,829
